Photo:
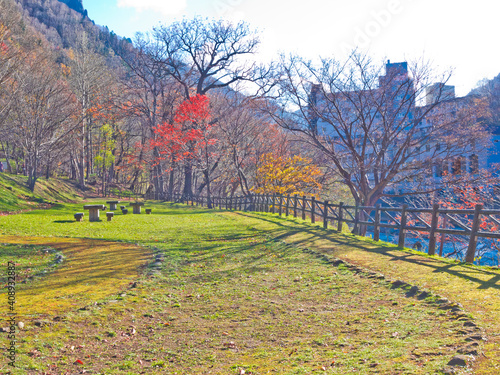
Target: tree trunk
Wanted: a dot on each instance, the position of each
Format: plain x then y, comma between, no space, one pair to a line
188,181
171,184
7,159
206,173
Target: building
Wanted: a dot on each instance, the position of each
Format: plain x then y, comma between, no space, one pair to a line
397,128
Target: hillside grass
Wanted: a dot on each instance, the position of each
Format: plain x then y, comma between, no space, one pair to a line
204,291
15,195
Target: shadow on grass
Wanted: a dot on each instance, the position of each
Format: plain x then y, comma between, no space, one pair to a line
343,242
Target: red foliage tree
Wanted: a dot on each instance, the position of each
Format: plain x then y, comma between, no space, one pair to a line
188,138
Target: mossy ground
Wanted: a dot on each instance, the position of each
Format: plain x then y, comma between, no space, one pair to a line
234,291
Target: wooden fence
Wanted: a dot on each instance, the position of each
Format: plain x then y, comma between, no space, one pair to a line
434,221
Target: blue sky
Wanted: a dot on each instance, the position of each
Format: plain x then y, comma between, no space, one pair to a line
453,34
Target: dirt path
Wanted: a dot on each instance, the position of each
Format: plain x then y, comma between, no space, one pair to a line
91,270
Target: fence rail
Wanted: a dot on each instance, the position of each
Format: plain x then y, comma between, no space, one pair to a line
434,221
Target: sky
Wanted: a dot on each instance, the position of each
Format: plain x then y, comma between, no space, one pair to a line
451,34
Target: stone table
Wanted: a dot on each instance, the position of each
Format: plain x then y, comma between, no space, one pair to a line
112,205
94,211
137,207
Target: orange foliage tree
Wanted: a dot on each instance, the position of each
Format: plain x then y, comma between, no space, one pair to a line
287,175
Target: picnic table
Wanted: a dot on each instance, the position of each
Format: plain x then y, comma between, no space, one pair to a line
112,205
137,207
94,211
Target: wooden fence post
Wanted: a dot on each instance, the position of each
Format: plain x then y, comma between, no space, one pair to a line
304,202
471,250
313,208
443,236
376,228
295,205
355,230
287,206
280,207
434,225
325,214
402,230
341,217
272,203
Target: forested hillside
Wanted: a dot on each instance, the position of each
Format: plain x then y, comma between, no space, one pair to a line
80,102
187,109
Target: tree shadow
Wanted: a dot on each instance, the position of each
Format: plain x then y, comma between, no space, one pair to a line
342,242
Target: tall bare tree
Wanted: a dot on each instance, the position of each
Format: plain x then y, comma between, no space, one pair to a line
91,81
370,123
203,56
152,95
42,106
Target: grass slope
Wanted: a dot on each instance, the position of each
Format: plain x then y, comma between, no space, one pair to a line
15,196
229,292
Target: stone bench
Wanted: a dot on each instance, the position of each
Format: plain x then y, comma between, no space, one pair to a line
112,205
148,211
94,211
79,216
110,215
137,207
124,211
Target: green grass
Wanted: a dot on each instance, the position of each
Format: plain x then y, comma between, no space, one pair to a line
234,292
31,261
15,195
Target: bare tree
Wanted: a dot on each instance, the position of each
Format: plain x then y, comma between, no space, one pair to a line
153,96
42,106
90,80
246,133
372,126
203,56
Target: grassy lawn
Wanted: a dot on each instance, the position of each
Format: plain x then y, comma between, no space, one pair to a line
192,291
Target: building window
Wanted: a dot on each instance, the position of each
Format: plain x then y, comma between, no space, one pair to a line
444,168
473,164
456,167
439,169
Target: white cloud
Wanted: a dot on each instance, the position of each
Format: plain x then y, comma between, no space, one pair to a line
165,7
